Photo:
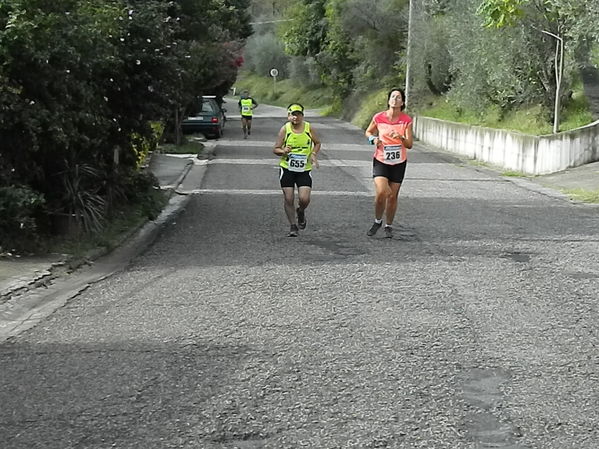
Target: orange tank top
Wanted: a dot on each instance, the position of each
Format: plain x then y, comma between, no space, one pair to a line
390,150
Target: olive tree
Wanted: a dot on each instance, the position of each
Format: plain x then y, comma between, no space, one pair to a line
265,51
558,27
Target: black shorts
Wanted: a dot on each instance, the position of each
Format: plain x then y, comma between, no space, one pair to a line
294,178
247,117
394,173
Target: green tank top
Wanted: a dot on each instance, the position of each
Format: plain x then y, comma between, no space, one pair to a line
299,158
246,106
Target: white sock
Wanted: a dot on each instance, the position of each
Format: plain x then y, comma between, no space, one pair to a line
378,221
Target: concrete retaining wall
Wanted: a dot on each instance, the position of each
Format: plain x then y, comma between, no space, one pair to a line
534,155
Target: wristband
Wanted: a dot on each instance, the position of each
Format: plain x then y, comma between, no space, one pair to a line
371,139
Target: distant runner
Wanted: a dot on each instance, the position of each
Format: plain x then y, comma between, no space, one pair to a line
391,133
246,108
298,146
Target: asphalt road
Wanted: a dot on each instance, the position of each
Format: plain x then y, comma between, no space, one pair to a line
476,328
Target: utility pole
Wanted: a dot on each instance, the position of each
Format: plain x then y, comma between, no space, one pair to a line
408,53
559,73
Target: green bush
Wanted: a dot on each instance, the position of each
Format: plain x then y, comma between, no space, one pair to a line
143,145
18,209
145,193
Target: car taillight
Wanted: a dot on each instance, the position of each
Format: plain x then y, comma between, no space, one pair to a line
214,120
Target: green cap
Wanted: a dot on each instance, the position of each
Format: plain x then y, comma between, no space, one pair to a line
295,108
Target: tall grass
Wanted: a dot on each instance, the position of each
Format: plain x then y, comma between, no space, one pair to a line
525,119
577,112
370,105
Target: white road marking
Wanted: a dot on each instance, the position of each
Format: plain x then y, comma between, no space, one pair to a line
268,192
275,163
248,143
365,148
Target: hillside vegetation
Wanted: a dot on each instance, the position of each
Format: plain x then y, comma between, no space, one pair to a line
495,63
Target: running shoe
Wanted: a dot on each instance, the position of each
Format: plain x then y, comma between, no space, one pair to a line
374,228
293,231
301,218
388,232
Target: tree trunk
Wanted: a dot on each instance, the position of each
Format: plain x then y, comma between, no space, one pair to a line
177,127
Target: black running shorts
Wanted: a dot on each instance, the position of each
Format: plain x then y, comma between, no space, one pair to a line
247,117
293,178
394,173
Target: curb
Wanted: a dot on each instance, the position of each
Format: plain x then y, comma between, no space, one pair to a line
26,305
71,264
68,265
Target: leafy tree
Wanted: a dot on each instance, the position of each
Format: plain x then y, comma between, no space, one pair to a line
488,69
378,34
305,33
303,70
430,56
18,208
357,45
499,13
270,9
52,53
336,58
208,51
560,27
81,80
349,40
265,51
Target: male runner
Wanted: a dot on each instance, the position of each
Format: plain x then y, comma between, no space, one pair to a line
298,147
246,107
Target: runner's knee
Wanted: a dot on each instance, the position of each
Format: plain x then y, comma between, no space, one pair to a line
382,195
304,202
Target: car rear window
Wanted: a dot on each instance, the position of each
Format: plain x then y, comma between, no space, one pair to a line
208,106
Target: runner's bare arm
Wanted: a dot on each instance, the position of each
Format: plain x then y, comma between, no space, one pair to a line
279,150
372,133
316,148
408,137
